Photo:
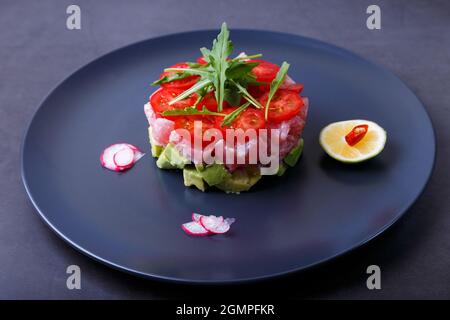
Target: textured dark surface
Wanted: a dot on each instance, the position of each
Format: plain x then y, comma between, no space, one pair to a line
37,51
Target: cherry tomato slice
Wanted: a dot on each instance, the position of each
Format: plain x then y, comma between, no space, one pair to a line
265,71
201,60
284,105
250,118
161,98
357,134
188,123
297,87
181,84
209,101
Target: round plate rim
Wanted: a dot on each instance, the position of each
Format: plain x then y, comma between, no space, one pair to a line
152,276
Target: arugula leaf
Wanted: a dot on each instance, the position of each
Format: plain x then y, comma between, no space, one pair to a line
247,95
196,87
221,49
232,95
228,78
170,78
188,71
229,118
239,69
276,83
190,111
248,57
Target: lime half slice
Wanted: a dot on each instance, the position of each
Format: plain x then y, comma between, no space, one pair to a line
332,140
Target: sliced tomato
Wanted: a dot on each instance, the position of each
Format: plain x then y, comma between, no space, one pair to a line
161,98
201,60
284,105
188,123
255,91
250,118
181,84
296,87
265,71
209,101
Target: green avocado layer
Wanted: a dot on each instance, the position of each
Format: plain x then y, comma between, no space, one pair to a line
201,175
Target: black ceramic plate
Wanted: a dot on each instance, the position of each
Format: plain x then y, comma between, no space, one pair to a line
317,211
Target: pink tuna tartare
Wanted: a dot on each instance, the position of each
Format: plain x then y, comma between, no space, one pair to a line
226,121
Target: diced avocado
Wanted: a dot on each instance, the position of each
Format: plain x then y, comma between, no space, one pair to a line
170,158
281,169
164,163
214,174
200,166
293,156
241,180
193,178
156,149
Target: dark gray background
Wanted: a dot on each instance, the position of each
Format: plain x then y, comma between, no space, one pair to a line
37,51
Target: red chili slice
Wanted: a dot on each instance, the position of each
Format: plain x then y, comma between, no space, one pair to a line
357,134
181,84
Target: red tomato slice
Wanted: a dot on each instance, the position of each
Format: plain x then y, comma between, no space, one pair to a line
181,84
201,60
161,98
250,118
297,87
188,123
209,101
283,106
255,91
265,71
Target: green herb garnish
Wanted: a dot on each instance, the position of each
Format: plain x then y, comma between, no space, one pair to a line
229,118
228,78
191,111
170,78
276,83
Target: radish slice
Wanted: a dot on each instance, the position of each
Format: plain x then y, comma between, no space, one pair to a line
230,221
206,225
194,228
122,162
214,224
124,158
107,157
196,216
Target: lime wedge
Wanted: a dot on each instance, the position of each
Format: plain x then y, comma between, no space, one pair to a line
332,140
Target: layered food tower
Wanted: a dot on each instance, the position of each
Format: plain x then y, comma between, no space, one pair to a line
224,93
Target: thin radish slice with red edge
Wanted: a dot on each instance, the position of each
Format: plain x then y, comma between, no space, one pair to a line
230,221
214,224
138,154
107,156
196,216
124,158
194,228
